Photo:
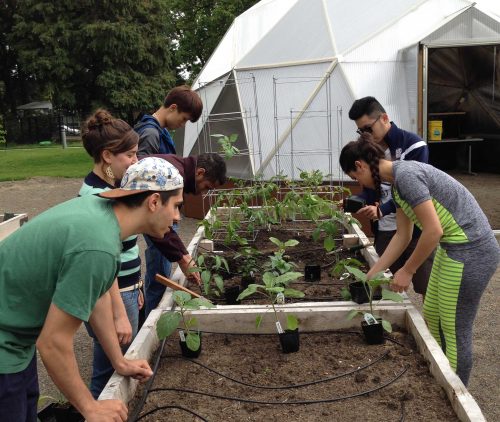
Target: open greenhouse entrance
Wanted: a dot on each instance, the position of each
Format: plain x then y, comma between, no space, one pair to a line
463,107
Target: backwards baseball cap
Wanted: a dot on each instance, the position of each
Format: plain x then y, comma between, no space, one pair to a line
149,174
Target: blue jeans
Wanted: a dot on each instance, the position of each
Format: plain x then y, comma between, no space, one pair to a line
19,395
101,366
156,263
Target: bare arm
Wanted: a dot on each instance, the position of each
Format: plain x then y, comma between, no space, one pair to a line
55,345
396,246
431,234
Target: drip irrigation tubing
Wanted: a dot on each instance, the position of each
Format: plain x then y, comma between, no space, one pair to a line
283,387
172,407
148,385
295,402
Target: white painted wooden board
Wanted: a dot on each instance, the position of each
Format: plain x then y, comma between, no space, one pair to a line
10,226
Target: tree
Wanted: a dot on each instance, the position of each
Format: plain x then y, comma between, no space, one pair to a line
89,53
198,27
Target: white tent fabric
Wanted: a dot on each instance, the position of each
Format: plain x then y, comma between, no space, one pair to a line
296,66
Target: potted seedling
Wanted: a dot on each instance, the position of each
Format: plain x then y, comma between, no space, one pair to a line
210,268
228,150
276,289
352,289
190,338
373,326
248,266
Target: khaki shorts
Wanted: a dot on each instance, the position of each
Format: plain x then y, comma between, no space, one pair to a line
421,277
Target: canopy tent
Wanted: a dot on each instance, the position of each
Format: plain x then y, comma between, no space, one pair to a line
287,71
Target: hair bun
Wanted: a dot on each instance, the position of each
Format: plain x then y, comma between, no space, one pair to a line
98,119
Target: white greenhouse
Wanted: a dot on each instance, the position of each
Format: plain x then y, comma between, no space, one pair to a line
287,71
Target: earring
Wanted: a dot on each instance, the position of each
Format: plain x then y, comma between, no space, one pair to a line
109,172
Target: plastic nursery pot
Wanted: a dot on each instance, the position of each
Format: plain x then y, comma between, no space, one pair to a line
231,293
312,272
59,412
374,333
290,341
187,352
377,293
358,292
246,281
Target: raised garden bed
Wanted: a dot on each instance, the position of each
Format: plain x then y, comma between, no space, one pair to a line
313,317
9,223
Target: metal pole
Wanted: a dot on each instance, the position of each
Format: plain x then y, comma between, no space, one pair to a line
62,133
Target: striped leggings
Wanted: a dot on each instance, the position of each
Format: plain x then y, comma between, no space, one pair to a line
457,282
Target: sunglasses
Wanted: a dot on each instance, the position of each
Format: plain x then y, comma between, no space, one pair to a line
367,128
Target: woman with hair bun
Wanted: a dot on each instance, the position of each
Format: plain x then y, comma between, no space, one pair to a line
112,144
450,218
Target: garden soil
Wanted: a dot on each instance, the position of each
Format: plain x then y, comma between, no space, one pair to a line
36,195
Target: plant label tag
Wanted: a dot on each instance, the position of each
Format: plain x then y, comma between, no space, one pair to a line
280,298
182,336
279,328
370,319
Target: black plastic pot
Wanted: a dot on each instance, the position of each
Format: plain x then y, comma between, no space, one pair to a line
187,352
59,412
246,281
374,333
231,293
290,341
312,272
377,293
358,292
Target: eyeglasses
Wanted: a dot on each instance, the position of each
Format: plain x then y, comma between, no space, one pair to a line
367,128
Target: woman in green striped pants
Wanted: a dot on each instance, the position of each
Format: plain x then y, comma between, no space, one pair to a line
450,219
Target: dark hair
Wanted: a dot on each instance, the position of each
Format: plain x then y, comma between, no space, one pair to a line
187,101
135,201
365,105
364,150
214,165
102,131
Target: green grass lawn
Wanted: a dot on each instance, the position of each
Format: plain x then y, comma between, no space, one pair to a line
56,162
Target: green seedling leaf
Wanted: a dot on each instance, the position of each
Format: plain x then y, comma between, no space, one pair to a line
201,260
250,290
345,293
360,275
352,313
181,297
292,322
390,295
293,293
206,276
268,278
258,321
193,341
202,302
387,326
315,234
167,324
277,242
287,277
329,243
218,262
291,242
276,289
219,282
191,322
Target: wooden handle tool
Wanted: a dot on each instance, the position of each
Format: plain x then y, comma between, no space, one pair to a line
175,286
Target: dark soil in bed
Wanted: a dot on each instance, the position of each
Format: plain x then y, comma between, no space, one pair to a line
307,252
405,390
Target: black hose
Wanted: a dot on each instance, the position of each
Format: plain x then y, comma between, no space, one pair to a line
173,407
285,387
138,408
240,399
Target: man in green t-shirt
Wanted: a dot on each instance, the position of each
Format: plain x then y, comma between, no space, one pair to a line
55,273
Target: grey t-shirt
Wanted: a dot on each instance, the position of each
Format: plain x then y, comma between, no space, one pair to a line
461,218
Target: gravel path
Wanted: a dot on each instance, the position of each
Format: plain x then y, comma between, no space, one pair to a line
36,195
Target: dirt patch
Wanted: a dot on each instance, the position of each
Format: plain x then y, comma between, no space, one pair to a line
401,379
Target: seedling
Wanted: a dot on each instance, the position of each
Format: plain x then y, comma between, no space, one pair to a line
340,271
169,321
228,150
210,268
277,262
370,285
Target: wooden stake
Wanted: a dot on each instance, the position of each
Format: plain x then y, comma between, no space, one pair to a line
175,286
